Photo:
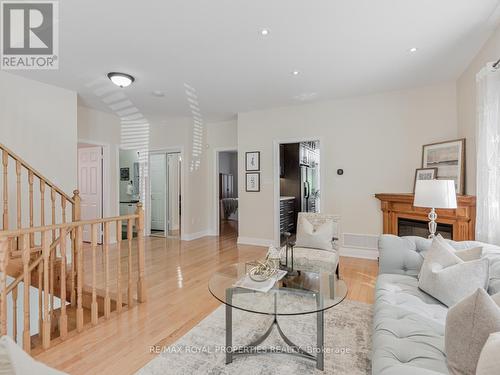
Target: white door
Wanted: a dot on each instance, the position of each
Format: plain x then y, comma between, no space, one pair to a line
90,186
158,191
173,191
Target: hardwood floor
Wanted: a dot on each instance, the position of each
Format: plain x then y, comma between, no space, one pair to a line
177,273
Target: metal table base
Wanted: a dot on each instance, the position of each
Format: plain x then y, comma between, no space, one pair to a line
253,347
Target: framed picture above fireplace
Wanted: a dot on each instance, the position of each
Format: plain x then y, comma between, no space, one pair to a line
424,174
449,159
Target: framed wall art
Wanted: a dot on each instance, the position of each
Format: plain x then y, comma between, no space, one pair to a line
449,159
252,183
252,161
424,174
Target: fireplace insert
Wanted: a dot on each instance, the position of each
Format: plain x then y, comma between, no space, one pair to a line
410,227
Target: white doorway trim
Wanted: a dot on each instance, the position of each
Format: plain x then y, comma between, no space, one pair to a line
216,208
164,151
276,178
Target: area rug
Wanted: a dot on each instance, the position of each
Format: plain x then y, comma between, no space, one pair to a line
201,350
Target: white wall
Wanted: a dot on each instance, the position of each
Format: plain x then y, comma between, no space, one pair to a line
100,128
466,104
376,139
39,123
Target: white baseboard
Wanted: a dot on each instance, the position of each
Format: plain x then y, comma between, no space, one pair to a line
196,235
359,253
255,241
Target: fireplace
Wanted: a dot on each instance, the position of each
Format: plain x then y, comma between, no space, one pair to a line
410,227
397,209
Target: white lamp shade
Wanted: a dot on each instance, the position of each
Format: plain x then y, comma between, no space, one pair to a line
435,194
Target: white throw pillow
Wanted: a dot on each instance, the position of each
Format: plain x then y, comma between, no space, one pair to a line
315,238
469,254
468,325
13,360
489,360
449,279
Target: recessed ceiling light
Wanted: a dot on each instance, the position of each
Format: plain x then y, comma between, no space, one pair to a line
295,72
414,49
121,79
264,32
158,93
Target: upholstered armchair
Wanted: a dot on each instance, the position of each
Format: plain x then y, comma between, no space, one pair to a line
315,247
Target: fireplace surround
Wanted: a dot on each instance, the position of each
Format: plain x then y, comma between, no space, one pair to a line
459,222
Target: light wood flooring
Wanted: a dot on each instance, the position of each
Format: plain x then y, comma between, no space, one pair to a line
177,273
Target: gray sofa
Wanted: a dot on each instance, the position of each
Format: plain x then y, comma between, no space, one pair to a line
408,324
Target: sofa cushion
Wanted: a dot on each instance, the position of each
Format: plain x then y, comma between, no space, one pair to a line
408,328
489,360
405,255
468,326
13,360
446,277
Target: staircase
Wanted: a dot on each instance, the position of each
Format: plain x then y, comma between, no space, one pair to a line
58,285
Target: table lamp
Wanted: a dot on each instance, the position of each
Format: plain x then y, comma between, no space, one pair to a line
435,194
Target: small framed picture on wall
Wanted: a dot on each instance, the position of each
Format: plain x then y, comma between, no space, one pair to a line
424,174
252,182
252,161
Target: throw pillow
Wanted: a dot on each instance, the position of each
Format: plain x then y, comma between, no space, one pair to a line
469,254
468,325
13,360
448,278
489,360
319,237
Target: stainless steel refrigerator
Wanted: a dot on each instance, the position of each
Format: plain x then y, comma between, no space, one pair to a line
309,190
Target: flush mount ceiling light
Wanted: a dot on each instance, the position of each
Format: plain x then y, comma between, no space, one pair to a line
158,93
264,32
414,49
121,79
295,72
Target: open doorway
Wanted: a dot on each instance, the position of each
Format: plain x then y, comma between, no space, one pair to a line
165,194
227,192
90,186
299,183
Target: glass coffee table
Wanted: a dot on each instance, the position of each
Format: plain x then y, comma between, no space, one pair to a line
298,293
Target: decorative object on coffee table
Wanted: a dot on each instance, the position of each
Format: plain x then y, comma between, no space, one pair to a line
449,158
288,249
274,256
424,174
435,194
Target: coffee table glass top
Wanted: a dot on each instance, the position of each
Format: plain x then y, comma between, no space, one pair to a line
302,293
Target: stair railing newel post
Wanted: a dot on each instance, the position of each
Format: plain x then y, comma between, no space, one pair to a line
75,216
141,285
4,259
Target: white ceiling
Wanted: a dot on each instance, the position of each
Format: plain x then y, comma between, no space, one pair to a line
342,48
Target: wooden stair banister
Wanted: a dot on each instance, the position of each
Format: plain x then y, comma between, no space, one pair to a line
36,252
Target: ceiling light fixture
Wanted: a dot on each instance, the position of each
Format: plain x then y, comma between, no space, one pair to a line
121,79
264,32
295,72
158,93
414,49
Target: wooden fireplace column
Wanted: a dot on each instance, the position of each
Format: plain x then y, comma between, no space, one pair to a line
462,219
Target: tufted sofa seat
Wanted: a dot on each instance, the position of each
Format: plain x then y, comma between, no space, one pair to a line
408,324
